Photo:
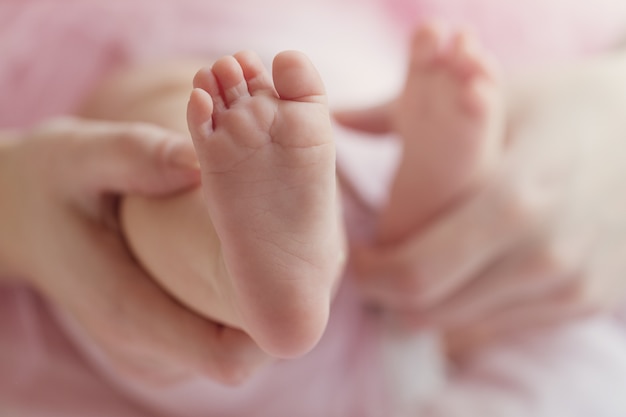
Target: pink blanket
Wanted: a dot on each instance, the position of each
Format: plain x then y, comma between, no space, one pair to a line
53,52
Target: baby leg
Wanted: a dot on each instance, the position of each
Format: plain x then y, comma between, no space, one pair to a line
277,253
450,117
268,161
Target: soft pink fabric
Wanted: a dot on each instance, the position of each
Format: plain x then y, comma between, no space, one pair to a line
524,32
51,53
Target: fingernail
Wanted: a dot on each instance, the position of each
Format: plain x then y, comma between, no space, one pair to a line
183,155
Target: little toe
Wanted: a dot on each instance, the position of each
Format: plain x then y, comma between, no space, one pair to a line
428,41
483,98
199,114
469,59
296,78
230,78
256,75
476,70
205,80
474,98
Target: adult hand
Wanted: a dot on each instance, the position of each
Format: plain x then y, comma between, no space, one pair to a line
542,241
59,184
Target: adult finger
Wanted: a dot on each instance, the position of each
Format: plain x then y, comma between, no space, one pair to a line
525,275
375,120
426,269
517,319
126,311
134,158
143,369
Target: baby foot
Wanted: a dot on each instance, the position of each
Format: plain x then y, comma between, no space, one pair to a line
268,162
450,118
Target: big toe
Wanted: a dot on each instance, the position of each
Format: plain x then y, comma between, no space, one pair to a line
296,79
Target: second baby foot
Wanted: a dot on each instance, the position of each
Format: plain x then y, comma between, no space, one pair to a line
267,156
450,118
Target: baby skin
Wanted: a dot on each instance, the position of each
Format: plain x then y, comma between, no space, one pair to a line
265,248
450,118
260,246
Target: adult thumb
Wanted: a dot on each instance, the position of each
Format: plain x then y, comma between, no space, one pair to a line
136,158
374,120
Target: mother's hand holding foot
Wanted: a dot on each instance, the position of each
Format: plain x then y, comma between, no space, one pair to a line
540,241
59,183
